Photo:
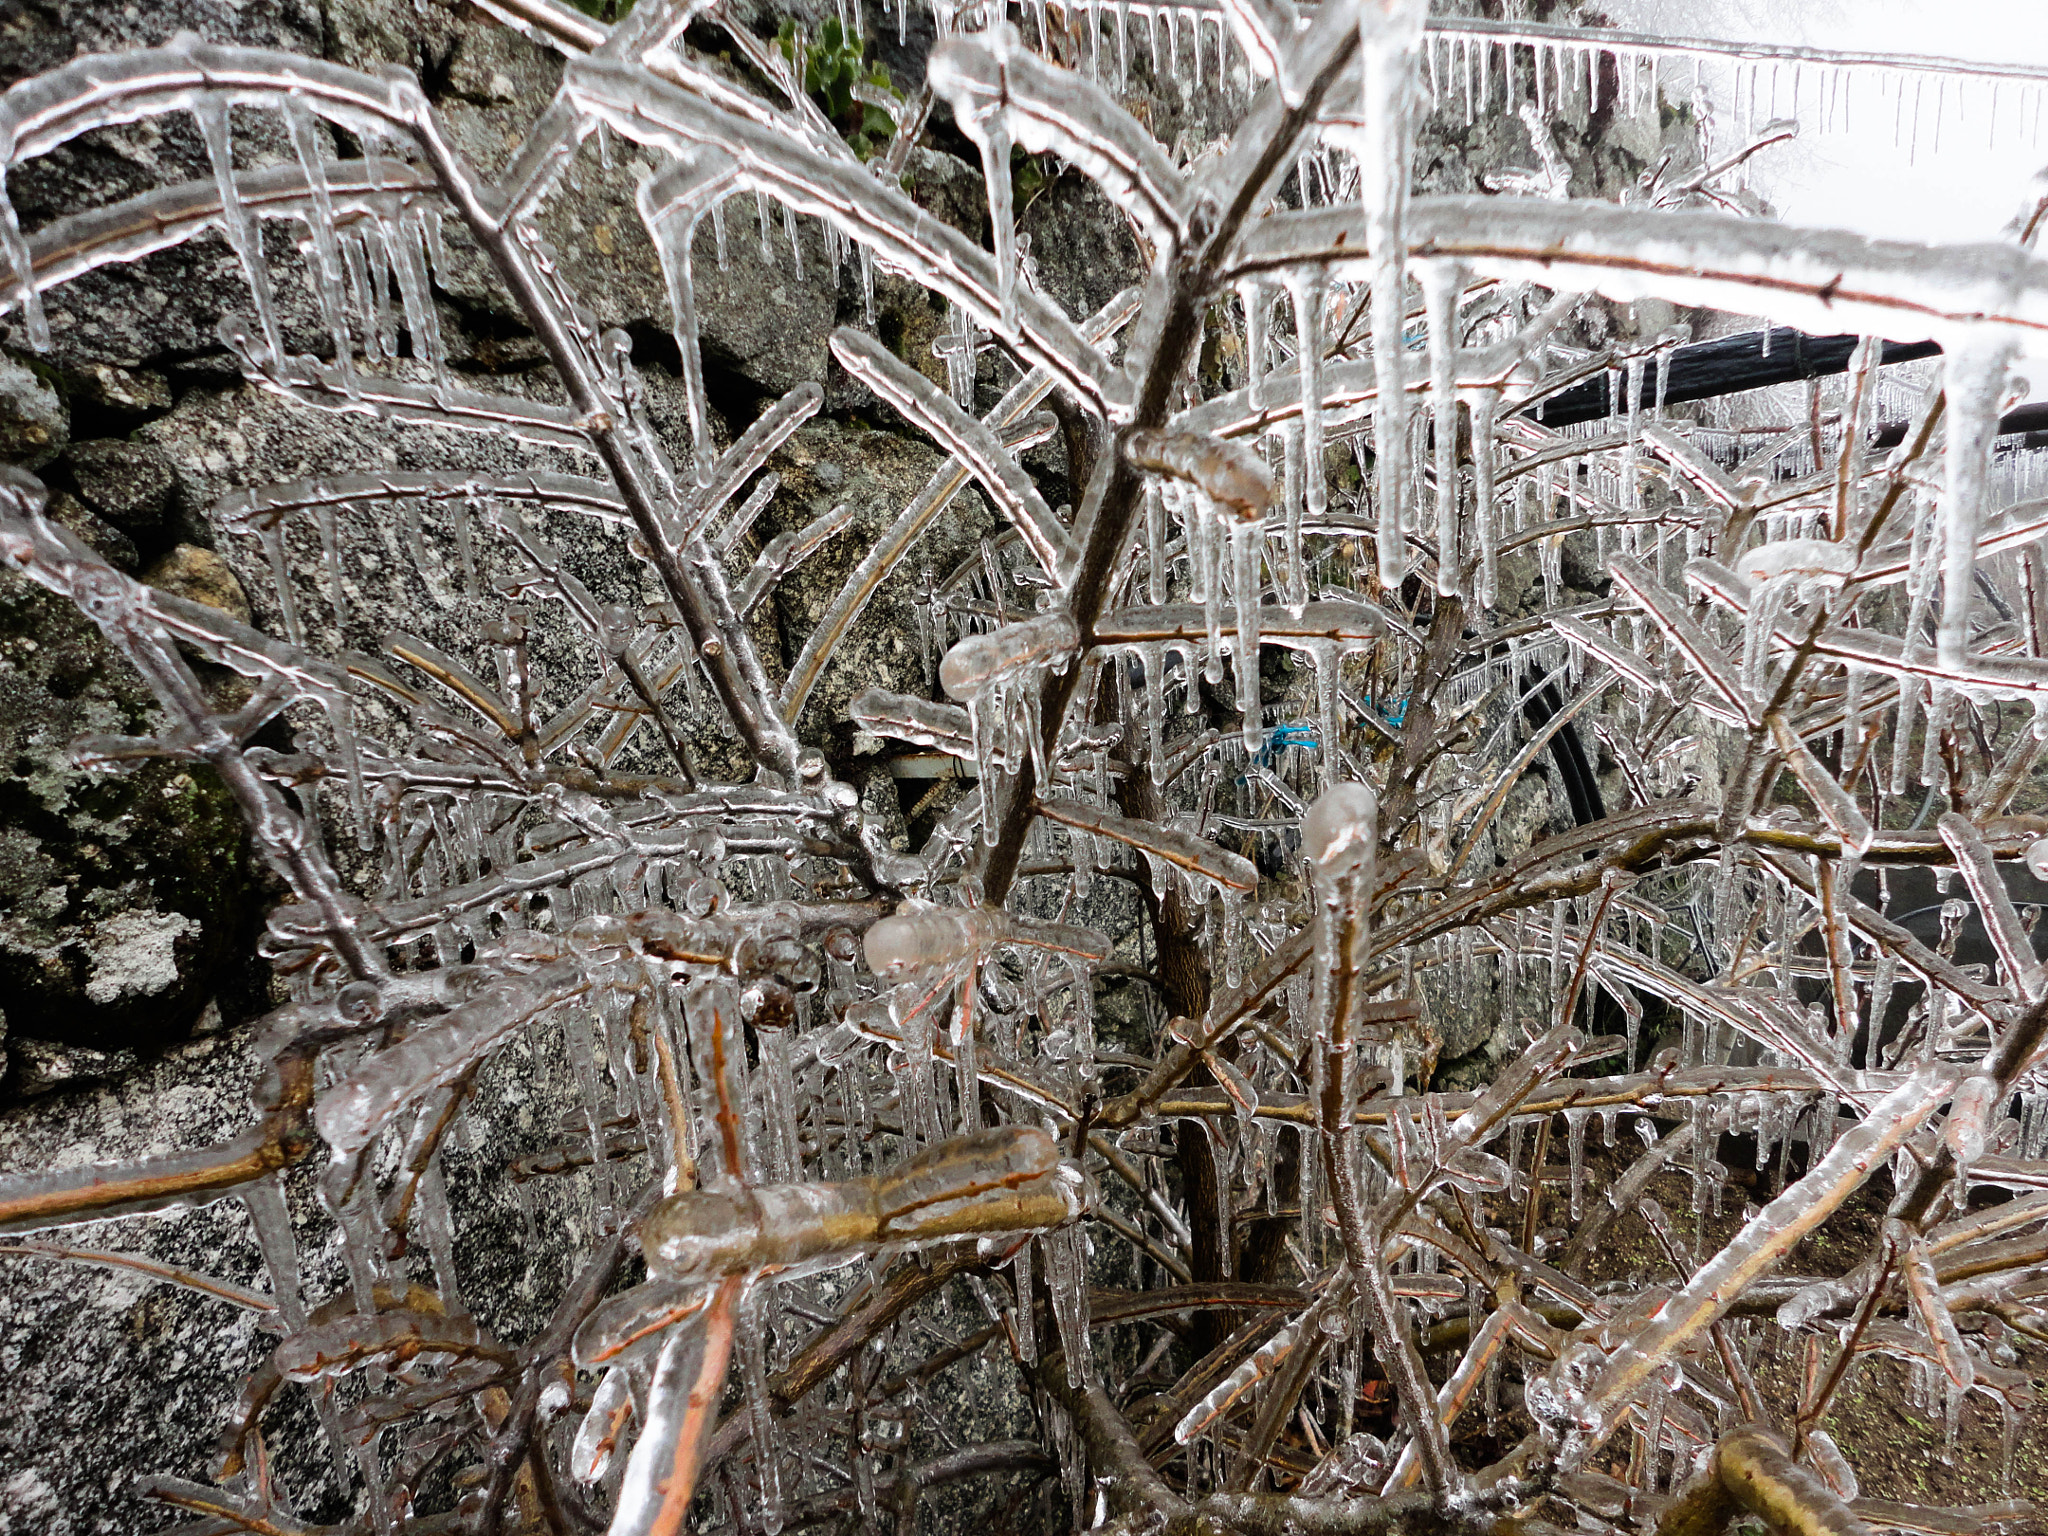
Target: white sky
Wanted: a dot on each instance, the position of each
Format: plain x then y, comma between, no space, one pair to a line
1966,189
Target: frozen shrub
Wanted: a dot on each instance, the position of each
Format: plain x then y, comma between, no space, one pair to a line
1233,732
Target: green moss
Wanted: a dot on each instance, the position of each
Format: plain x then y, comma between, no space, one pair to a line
831,66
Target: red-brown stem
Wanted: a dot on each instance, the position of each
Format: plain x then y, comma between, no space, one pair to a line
704,1395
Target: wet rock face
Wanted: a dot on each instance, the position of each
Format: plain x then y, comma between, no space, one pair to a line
122,898
34,424
112,1376
129,484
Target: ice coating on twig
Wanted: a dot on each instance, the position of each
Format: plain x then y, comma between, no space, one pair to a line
974,444
1008,1180
1227,473
1004,95
1049,641
1766,1237
919,939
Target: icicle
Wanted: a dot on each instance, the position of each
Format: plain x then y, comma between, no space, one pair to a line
327,271
993,137
1245,542
783,1156
1205,543
270,1217
1257,305
1976,373
1387,58
1026,1309
1066,1280
1575,1142
1307,292
1482,498
752,1339
237,222
670,206
1441,285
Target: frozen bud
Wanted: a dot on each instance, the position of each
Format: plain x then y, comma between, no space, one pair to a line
1815,562
804,972
911,941
841,795
842,945
617,621
700,1234
703,897
1342,826
2037,858
360,1002
1049,640
1969,1116
768,1004
1228,473
810,766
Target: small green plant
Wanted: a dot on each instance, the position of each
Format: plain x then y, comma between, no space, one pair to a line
832,69
1029,176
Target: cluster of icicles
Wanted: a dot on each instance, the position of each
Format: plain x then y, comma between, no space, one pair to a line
842,1115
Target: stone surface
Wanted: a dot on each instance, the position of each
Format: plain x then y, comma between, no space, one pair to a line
34,424
121,393
1081,244
112,1375
40,1066
202,576
123,900
129,484
111,544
